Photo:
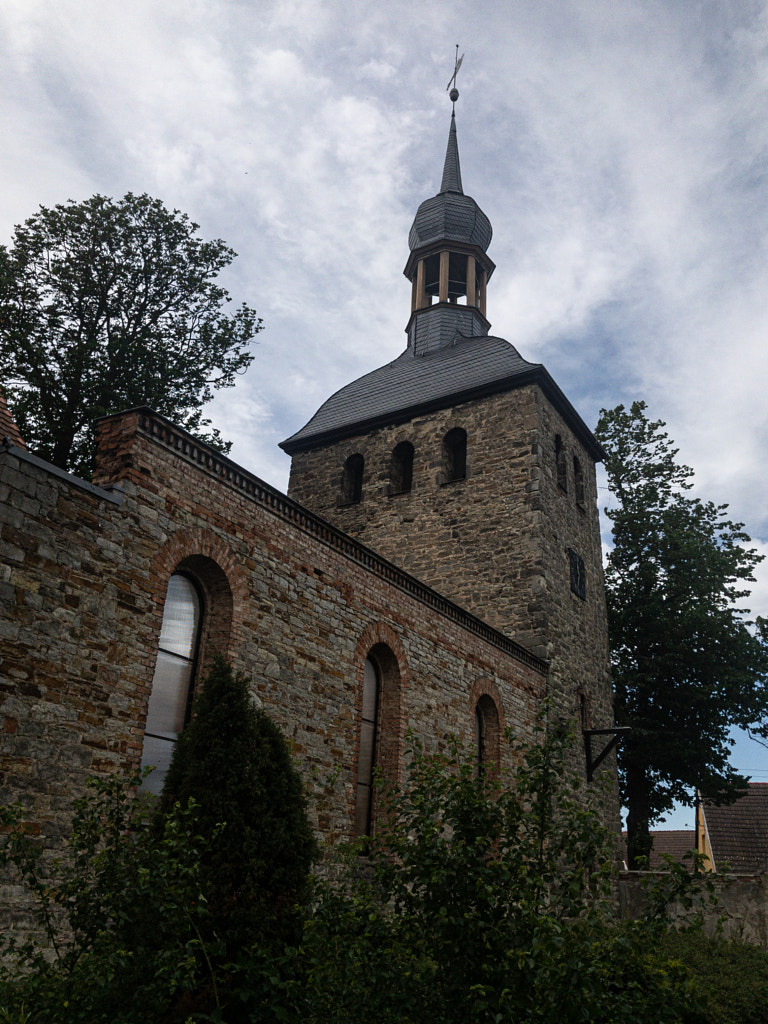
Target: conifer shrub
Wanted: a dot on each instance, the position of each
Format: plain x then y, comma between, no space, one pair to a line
233,761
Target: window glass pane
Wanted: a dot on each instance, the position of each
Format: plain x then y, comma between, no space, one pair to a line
168,701
365,762
156,752
370,687
363,810
180,618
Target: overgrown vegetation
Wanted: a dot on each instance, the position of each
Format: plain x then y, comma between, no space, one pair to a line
477,900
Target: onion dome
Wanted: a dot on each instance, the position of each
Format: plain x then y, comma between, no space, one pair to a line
450,215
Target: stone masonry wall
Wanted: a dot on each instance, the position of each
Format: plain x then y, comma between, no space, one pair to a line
496,542
291,601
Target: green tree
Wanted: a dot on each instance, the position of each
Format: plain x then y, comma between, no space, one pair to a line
687,663
120,914
109,304
483,900
233,761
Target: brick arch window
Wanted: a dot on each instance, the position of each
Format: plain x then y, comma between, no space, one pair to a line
401,468
578,480
170,698
197,620
379,737
562,471
455,454
352,480
487,736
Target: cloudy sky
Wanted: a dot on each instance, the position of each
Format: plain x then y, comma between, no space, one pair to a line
619,147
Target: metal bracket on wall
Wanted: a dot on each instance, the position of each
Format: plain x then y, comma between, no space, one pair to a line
589,733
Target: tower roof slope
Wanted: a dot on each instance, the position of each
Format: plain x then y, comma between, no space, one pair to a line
413,385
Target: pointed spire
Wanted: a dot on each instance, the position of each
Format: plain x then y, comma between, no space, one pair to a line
451,169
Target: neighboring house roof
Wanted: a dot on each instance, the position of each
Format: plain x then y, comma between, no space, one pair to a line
675,842
738,832
412,385
8,428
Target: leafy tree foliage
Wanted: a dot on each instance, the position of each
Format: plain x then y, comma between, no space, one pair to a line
485,900
121,915
109,304
687,664
480,900
233,761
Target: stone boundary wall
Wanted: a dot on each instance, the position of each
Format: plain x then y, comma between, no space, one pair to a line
742,911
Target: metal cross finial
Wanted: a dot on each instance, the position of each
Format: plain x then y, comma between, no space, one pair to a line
454,93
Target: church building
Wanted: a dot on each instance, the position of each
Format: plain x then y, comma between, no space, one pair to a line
435,567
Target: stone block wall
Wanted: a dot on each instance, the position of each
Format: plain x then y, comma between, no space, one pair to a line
293,602
497,542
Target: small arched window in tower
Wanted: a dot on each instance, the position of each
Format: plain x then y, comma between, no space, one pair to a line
352,480
401,470
170,699
578,480
366,761
562,472
487,736
455,455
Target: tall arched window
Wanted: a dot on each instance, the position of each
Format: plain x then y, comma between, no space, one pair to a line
169,701
352,480
455,454
487,736
366,761
401,471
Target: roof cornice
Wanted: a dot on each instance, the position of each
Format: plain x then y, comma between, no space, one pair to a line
537,375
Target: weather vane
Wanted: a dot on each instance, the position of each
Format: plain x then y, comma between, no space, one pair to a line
454,93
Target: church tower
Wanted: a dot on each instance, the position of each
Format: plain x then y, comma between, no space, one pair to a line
467,466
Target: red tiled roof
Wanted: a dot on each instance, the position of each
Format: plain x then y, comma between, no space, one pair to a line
738,833
8,427
675,842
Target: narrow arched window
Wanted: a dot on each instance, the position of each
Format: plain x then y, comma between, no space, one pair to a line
352,480
578,481
366,761
169,701
562,472
487,734
455,454
401,471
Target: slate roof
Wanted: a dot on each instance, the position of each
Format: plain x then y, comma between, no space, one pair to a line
413,385
450,215
738,833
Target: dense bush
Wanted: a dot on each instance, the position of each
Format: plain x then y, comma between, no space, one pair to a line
731,976
486,899
477,900
121,916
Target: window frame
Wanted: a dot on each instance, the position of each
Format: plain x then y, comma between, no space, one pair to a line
191,662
